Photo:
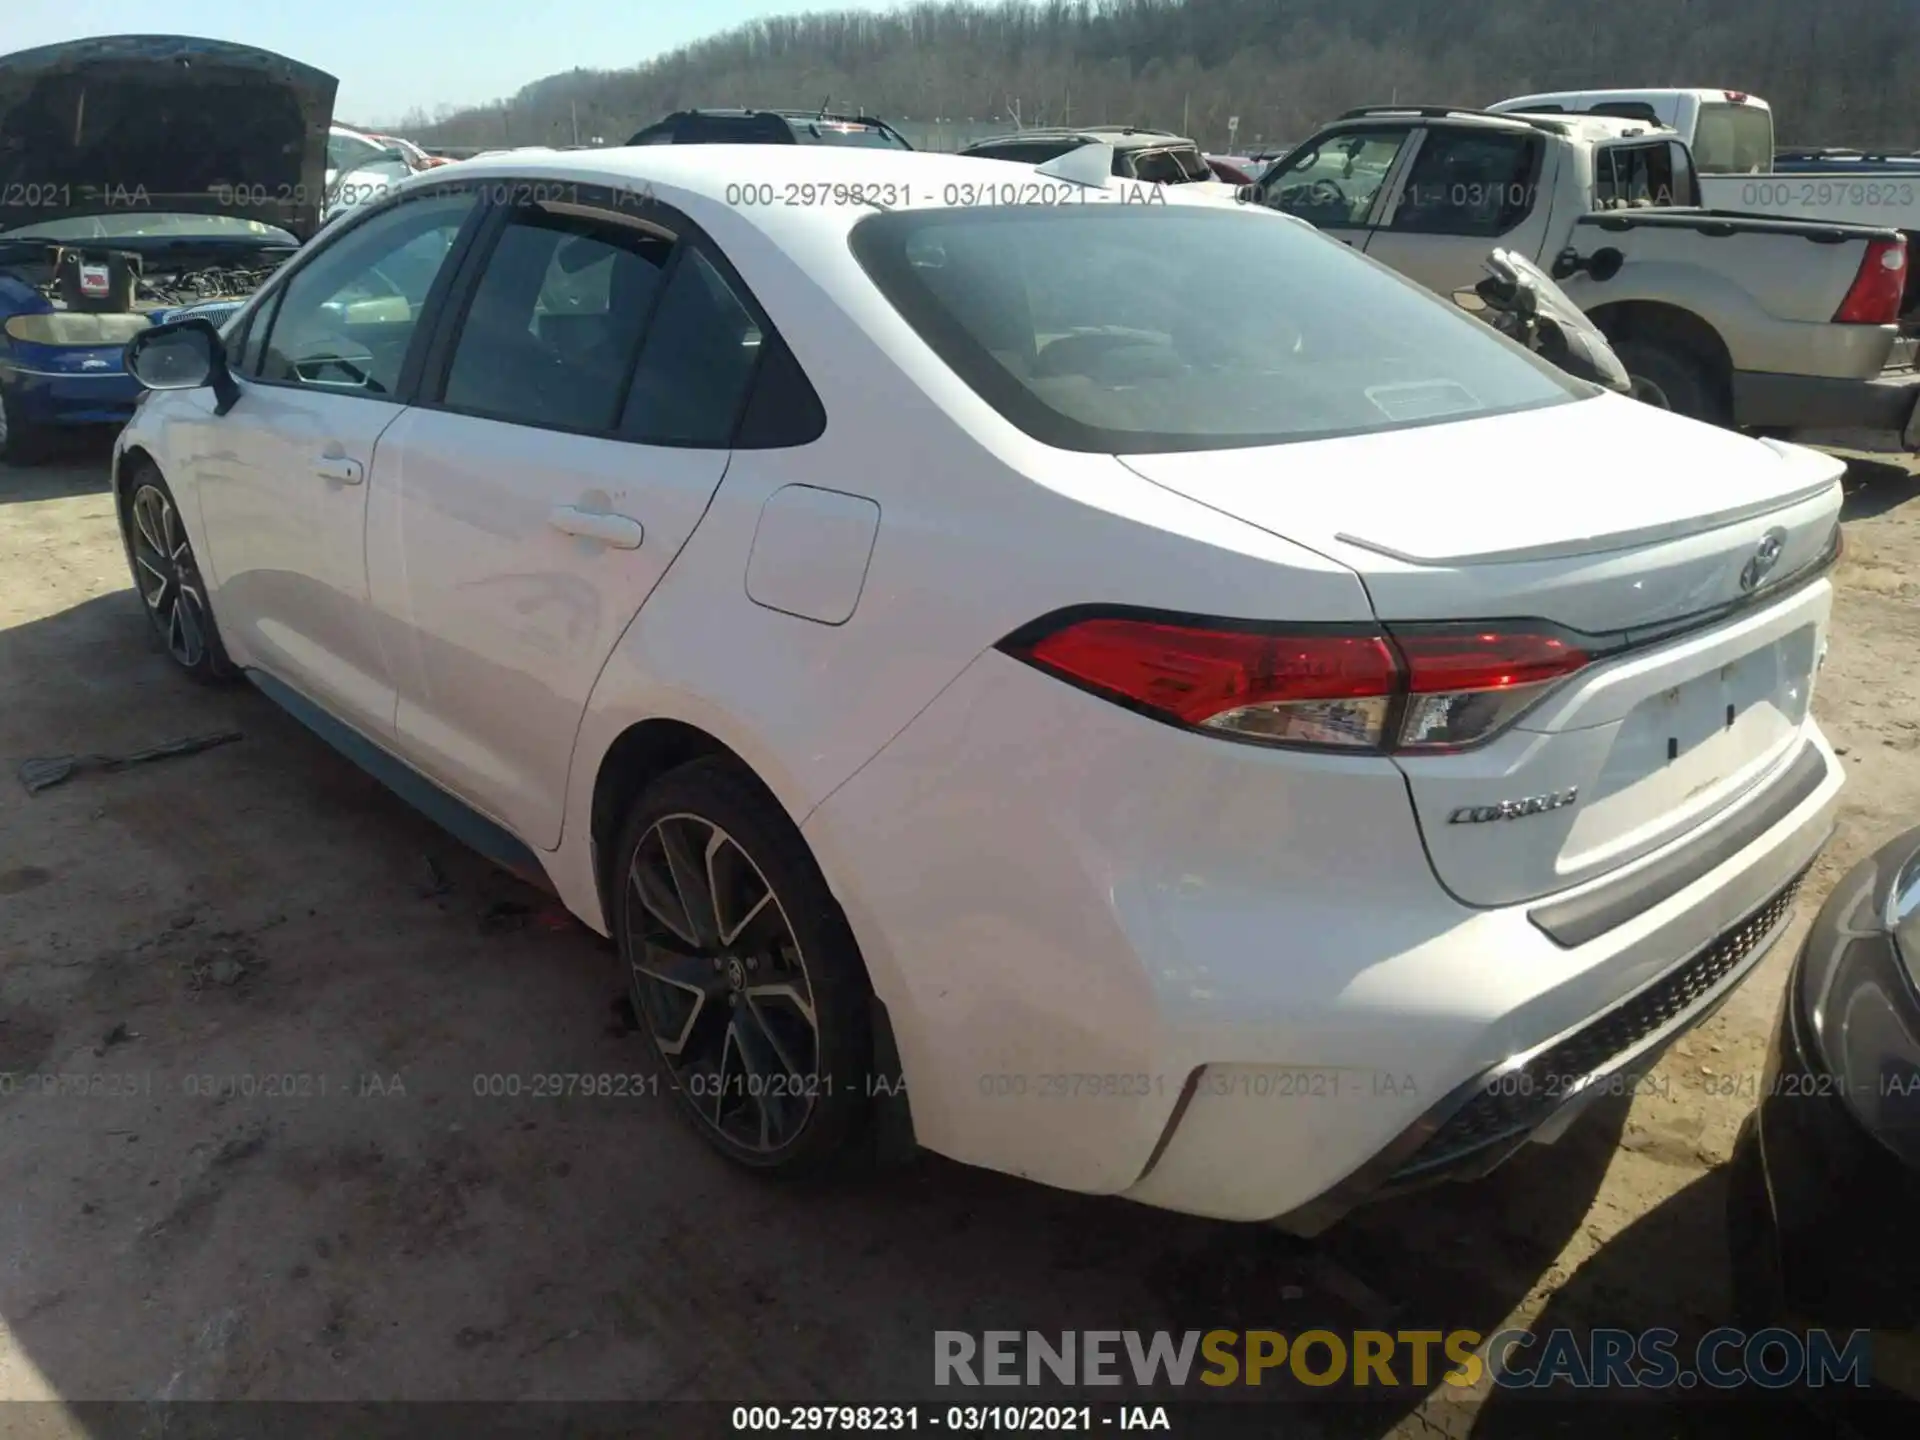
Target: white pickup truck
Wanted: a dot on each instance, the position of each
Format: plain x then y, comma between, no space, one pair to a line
1751,321
1732,137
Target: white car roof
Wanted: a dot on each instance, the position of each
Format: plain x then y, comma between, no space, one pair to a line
790,190
1708,96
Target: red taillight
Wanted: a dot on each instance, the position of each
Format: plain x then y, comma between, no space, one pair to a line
1738,97
1879,286
1314,689
1421,688
1468,683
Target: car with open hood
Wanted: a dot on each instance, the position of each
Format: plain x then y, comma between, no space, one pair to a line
142,177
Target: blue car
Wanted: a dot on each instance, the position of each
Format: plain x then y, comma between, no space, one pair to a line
142,178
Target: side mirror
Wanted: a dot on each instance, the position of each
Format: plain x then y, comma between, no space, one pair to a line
183,355
1602,265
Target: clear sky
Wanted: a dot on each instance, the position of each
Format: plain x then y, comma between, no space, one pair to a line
391,55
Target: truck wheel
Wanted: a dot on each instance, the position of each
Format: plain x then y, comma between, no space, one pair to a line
1671,380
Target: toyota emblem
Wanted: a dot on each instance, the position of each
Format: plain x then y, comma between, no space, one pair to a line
1765,556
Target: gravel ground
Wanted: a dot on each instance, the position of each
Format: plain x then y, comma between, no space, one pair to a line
263,910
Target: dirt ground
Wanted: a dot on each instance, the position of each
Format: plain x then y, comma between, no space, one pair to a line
262,910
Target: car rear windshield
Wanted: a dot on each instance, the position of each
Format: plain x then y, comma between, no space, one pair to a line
1733,139
1107,327
1177,165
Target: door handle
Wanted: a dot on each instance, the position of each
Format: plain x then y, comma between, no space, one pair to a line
338,467
619,531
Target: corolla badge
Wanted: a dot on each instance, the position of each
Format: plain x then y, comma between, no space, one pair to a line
1514,809
1765,556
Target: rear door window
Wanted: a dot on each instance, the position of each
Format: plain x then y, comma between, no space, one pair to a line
1644,175
699,359
1470,182
555,321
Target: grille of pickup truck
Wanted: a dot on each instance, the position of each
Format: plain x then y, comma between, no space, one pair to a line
1520,1100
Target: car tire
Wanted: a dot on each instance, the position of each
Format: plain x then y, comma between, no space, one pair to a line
21,443
166,576
745,975
1759,1294
1672,379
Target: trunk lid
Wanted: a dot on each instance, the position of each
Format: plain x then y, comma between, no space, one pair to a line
162,124
1604,516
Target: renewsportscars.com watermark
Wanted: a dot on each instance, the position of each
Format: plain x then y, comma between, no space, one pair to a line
1600,1359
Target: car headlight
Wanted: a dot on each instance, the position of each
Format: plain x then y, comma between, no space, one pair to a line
1860,994
75,328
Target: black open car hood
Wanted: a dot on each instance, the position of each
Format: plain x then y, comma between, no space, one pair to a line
162,123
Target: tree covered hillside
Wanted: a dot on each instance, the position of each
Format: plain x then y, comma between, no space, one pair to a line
1837,71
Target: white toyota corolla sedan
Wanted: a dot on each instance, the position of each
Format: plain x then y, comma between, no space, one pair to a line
1247,749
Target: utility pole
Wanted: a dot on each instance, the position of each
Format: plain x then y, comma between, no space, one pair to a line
574,105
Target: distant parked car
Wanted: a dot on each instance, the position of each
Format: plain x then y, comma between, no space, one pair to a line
1742,320
1231,169
1156,156
85,267
417,158
770,127
349,150
1260,161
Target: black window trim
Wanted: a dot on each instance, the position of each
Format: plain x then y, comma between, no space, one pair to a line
257,305
437,356
260,318
1536,167
407,384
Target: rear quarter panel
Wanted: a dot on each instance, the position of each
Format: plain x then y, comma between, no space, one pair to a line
1770,297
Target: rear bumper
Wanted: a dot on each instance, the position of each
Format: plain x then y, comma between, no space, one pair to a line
1889,401
1763,853
1225,981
